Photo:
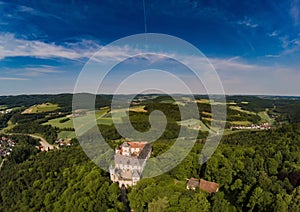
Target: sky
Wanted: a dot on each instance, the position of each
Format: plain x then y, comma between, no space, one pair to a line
254,46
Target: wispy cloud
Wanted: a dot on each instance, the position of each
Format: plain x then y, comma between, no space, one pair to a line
12,79
35,12
31,71
248,23
289,46
273,55
294,11
10,46
273,34
240,77
37,71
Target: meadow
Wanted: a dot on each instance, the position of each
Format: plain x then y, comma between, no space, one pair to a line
41,108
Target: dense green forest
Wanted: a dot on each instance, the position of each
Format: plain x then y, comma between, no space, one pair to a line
256,170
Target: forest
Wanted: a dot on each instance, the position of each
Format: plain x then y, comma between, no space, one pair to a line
257,171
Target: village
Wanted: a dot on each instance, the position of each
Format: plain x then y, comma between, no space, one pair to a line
6,146
45,146
264,126
6,111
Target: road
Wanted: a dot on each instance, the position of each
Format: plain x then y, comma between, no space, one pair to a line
2,163
45,145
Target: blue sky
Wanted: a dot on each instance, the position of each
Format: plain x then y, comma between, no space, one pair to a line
253,45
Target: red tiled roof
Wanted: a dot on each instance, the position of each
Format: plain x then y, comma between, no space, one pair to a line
208,186
134,144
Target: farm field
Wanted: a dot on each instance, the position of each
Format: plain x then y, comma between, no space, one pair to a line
56,123
265,117
138,109
243,123
66,134
69,124
206,101
193,123
45,107
241,110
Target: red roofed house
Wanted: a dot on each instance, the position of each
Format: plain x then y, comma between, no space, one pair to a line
210,187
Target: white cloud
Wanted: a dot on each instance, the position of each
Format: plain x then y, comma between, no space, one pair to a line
289,46
31,71
274,34
248,23
237,75
32,11
294,11
12,79
10,46
37,71
273,55
240,77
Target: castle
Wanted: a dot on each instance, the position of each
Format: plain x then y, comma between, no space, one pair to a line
129,161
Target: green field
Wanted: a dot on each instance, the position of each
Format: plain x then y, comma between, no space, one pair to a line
45,107
244,123
105,121
241,110
118,114
66,134
10,125
3,107
265,117
69,124
167,101
56,123
193,124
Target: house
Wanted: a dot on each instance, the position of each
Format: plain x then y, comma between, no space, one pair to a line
193,183
129,161
210,187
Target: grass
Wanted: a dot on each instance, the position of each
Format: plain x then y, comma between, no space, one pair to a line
45,107
167,101
90,115
207,101
265,117
241,110
56,123
206,113
243,123
206,118
192,123
101,112
3,107
66,134
105,121
10,125
138,109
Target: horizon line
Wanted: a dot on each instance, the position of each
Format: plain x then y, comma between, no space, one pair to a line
128,94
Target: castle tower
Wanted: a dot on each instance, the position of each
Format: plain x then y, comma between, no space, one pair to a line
125,149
